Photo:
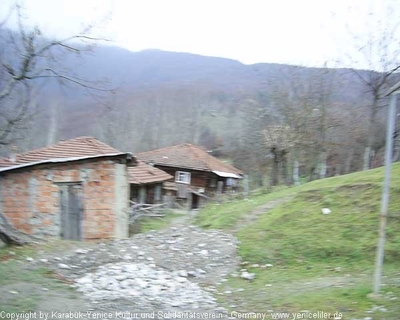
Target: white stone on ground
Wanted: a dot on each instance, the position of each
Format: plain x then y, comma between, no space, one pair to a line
122,280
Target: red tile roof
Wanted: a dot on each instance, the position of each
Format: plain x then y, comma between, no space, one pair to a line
143,173
6,163
187,156
77,147
85,147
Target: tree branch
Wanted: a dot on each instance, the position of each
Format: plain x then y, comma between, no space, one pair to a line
70,79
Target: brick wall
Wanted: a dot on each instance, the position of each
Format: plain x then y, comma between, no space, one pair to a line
31,198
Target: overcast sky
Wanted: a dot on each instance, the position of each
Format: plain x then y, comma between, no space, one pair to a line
306,32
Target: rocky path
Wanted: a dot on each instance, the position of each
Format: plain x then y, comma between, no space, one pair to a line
175,269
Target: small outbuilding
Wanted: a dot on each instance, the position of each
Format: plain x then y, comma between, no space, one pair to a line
77,189
147,183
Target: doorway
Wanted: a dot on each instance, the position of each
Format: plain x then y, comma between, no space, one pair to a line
195,201
71,211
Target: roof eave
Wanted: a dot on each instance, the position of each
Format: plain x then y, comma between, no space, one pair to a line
150,182
180,167
128,156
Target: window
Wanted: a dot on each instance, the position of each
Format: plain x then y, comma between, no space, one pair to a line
182,177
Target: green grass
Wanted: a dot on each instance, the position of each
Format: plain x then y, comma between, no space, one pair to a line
297,230
226,215
306,246
314,288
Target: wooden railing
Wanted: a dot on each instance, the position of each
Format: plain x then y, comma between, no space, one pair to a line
138,210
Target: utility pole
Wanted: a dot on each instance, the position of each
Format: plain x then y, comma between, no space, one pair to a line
386,186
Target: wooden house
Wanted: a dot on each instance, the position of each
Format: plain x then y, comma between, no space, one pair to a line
197,174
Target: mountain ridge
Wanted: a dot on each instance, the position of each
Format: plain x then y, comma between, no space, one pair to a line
162,98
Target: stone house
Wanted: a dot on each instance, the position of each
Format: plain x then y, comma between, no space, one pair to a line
77,189
197,174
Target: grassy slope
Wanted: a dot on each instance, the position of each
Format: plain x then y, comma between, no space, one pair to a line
305,245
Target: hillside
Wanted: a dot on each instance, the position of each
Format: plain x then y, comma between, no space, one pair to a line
320,262
156,99
127,72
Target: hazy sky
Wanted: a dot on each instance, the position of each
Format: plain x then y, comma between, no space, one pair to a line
308,32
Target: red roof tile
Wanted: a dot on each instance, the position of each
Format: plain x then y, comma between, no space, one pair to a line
6,163
143,173
187,156
77,147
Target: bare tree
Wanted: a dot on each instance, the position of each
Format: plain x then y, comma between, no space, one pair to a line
303,100
279,140
376,48
251,153
27,59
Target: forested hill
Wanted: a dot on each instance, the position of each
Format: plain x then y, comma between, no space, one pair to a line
149,68
156,67
163,98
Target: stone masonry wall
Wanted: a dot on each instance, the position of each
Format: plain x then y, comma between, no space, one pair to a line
31,198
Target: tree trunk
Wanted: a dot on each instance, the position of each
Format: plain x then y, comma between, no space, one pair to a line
275,168
284,168
338,168
322,165
367,158
368,153
396,146
349,161
296,178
